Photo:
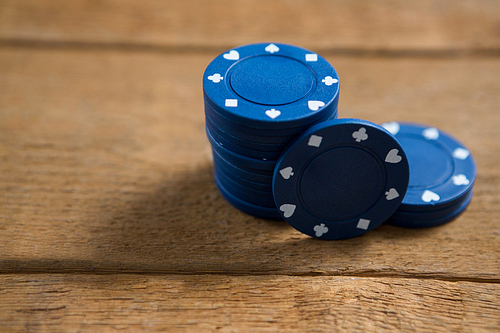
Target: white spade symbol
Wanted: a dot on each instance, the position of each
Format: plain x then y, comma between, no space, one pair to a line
271,48
391,194
287,172
273,113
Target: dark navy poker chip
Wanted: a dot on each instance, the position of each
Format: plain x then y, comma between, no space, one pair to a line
255,210
270,86
340,179
442,169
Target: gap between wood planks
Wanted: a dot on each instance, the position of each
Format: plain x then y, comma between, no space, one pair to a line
169,49
89,267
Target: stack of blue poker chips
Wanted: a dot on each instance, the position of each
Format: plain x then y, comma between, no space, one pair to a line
258,98
442,176
280,152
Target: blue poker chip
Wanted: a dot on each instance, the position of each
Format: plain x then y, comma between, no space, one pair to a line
442,169
263,167
270,86
430,219
267,136
250,195
245,183
255,210
237,171
340,179
238,142
229,144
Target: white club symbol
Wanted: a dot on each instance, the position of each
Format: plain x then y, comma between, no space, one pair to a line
320,229
216,78
328,80
461,179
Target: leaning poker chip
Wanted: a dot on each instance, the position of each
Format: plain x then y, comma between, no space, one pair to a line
270,86
340,179
255,210
442,169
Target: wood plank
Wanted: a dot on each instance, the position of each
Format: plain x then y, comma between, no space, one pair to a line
105,168
321,24
108,303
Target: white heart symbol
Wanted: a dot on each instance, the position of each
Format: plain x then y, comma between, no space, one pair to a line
431,133
393,157
232,55
271,48
391,194
287,172
287,210
392,127
273,113
429,196
320,230
315,105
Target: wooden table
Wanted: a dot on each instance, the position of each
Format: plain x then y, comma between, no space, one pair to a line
109,216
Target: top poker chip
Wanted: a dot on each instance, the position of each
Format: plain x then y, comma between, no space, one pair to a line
340,179
442,169
270,86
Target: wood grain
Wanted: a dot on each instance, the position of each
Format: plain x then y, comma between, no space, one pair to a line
109,216
463,26
208,303
106,168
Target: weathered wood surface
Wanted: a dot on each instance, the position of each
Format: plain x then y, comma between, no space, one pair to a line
209,303
109,217
348,26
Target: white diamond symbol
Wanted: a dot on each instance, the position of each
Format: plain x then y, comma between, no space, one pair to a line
363,224
311,57
232,103
315,140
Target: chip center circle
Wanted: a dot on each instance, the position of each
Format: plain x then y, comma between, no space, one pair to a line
341,183
271,79
430,164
